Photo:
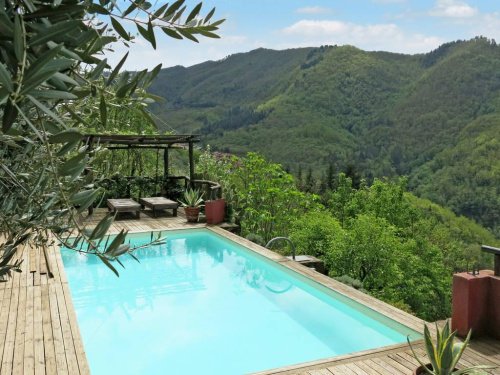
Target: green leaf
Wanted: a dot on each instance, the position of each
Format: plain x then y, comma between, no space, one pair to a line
96,8
69,146
5,78
153,74
147,34
97,71
430,348
102,227
171,33
36,80
64,78
129,10
18,38
53,94
209,15
194,13
115,71
217,23
187,34
46,110
4,94
122,90
119,29
84,199
151,33
6,25
42,60
122,249
9,116
117,241
48,11
52,32
208,34
160,10
174,7
74,166
108,264
66,136
178,15
104,112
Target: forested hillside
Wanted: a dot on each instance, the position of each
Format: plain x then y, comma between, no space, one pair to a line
434,117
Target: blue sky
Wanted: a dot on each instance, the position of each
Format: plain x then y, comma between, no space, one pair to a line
407,26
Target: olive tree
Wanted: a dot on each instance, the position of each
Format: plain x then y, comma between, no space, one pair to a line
53,72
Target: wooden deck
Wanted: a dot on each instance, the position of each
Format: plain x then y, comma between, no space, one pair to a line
39,333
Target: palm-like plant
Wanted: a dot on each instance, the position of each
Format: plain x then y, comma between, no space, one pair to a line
192,198
445,353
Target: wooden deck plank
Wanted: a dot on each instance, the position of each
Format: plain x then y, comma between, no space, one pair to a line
39,351
10,336
4,317
48,340
369,370
69,347
57,335
29,349
322,371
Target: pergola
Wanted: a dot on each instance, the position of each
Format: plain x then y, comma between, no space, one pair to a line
157,142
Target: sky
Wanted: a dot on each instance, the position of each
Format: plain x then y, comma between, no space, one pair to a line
405,26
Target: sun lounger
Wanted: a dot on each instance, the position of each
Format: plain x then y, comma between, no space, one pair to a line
124,205
159,203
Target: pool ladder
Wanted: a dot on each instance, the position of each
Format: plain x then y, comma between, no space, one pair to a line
272,240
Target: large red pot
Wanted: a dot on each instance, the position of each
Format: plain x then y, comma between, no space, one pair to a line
215,211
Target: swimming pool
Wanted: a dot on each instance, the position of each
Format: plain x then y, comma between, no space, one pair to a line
201,303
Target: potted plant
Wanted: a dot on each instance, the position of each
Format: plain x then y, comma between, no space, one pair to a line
192,201
444,354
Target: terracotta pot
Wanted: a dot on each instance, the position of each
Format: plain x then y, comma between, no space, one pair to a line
420,369
192,214
215,211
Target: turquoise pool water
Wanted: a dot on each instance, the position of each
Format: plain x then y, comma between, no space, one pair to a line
202,304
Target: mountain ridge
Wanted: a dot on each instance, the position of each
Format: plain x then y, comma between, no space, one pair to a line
387,114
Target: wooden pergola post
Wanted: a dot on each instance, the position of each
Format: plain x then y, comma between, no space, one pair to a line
165,164
191,164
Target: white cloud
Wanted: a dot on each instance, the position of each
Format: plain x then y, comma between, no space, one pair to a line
487,24
313,10
172,52
384,36
453,9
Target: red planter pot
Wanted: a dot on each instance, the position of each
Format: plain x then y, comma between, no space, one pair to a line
215,211
192,214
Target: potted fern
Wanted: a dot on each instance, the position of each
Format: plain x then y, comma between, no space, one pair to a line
444,354
192,201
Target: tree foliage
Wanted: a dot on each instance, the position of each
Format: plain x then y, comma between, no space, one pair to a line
400,248
262,195
54,81
432,117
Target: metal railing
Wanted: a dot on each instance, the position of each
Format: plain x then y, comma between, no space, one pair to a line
496,252
272,240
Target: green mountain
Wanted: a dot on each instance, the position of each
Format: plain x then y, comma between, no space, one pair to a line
434,117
